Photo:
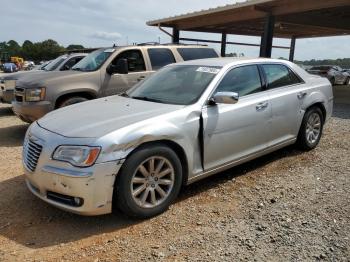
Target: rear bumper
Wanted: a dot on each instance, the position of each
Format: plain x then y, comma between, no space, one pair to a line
31,111
58,188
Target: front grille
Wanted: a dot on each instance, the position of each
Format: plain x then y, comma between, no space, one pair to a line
19,94
31,154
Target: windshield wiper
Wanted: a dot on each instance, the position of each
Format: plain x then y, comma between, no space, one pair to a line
145,98
124,94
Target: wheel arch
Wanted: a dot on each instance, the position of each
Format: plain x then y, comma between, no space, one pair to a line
321,106
86,94
179,151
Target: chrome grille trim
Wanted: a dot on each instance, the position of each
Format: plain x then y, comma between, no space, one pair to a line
19,94
31,154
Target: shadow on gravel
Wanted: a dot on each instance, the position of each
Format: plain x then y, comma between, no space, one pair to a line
35,224
12,135
341,111
6,111
31,222
225,176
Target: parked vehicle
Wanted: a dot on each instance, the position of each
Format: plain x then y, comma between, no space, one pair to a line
61,63
9,68
186,122
28,65
335,74
105,72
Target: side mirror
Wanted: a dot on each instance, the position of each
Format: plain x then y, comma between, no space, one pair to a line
121,67
225,98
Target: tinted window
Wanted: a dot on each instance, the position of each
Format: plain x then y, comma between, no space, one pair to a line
196,53
279,75
135,60
160,57
243,80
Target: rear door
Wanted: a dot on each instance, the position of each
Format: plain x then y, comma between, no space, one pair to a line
286,93
118,83
235,131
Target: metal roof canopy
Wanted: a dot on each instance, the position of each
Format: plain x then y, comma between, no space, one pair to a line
267,19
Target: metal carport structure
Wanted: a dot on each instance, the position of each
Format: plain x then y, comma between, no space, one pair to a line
292,19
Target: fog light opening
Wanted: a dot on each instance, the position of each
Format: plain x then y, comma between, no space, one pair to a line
78,201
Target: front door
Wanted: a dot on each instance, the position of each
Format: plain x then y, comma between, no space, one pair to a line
119,83
235,131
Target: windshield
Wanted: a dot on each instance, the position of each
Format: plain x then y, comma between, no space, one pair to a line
55,63
178,84
94,60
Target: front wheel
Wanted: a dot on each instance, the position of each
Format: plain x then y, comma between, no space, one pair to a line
148,182
311,129
72,100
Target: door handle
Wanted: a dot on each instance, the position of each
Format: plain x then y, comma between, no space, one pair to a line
261,106
140,78
301,95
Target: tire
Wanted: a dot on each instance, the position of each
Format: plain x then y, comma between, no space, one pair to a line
347,82
128,196
311,129
72,100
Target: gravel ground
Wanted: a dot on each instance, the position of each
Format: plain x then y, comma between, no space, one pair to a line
286,206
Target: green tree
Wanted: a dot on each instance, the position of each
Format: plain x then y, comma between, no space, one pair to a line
74,47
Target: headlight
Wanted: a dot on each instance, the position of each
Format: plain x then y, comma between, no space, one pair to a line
35,94
81,156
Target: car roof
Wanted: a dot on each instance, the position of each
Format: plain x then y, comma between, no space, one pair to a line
225,61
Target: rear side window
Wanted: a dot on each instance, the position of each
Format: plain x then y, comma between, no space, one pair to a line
160,57
279,75
196,53
243,80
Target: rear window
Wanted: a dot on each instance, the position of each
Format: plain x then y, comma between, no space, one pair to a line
160,57
196,53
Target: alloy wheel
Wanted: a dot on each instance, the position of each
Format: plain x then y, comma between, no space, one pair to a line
152,182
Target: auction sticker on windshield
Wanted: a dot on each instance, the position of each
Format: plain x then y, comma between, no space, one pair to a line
211,70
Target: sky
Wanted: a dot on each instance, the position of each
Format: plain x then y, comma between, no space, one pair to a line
95,23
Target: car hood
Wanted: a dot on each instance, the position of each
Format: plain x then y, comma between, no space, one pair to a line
43,78
99,117
17,75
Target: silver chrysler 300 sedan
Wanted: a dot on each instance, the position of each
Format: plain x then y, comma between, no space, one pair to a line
189,120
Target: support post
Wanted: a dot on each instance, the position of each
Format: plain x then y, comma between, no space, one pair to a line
292,49
267,37
223,44
176,35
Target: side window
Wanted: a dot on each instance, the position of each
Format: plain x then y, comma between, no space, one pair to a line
70,63
243,80
196,53
279,75
160,57
135,60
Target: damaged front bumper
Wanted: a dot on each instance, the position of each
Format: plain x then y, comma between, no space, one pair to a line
86,193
